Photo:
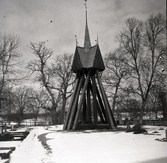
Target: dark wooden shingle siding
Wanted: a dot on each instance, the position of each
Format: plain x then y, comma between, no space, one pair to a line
87,59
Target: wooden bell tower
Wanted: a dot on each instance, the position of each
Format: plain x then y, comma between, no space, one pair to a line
89,107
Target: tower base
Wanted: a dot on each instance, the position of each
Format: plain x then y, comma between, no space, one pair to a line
89,107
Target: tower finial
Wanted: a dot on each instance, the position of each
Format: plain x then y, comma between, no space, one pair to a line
76,40
86,10
87,43
97,40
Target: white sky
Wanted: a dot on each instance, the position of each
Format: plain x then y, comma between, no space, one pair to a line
58,21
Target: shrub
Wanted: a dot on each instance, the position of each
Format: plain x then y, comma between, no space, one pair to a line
6,137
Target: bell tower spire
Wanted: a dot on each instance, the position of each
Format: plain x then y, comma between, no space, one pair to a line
87,43
89,107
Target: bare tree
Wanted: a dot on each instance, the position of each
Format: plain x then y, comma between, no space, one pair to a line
65,77
132,106
9,62
8,103
36,102
21,98
142,43
45,76
115,74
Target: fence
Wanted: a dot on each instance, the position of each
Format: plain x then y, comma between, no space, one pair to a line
155,122
145,122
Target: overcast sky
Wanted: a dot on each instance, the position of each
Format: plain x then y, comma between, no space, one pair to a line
58,21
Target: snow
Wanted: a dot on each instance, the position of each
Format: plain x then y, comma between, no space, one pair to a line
53,145
9,143
30,149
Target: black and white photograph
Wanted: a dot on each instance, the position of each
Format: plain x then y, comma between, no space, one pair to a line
83,81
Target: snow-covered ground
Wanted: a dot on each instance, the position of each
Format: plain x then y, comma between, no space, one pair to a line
52,145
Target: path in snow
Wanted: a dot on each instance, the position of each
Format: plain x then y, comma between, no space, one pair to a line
31,149
42,138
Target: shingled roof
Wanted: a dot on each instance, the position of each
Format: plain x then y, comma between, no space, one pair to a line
87,59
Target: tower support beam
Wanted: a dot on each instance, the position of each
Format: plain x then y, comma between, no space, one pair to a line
111,121
74,105
89,108
81,100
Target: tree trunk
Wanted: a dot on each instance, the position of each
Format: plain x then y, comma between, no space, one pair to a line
142,111
115,96
36,117
163,99
63,110
53,116
20,118
164,106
